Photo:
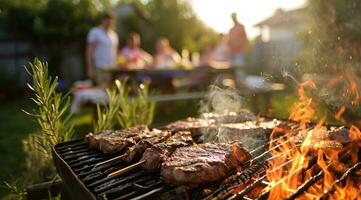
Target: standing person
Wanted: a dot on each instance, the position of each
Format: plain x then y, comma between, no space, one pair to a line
101,49
237,42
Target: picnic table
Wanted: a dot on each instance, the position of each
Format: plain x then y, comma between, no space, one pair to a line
162,78
166,75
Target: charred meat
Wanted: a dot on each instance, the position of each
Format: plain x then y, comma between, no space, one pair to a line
135,152
156,154
230,117
194,125
202,163
254,131
117,141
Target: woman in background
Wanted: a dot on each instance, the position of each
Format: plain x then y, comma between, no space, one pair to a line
221,52
166,56
135,57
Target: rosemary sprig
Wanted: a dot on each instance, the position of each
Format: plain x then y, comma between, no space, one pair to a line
52,113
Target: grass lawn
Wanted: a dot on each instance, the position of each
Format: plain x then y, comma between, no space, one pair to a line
15,126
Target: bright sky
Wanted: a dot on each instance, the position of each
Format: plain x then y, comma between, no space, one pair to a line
216,13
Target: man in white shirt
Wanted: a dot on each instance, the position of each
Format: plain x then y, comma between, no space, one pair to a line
101,49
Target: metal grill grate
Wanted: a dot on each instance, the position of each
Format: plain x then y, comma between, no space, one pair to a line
76,163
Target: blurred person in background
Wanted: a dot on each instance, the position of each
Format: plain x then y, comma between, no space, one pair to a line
207,55
135,57
166,56
221,52
101,50
237,42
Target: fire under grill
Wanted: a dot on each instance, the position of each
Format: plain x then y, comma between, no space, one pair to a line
84,179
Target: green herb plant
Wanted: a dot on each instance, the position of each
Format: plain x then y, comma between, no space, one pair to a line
123,110
55,126
52,113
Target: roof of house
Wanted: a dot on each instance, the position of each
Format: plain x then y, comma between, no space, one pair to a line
281,17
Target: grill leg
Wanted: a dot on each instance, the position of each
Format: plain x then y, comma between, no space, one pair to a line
65,193
41,190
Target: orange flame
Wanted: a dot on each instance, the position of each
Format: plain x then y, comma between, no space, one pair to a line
339,114
299,149
349,191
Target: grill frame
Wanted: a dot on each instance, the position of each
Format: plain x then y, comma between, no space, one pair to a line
70,179
75,188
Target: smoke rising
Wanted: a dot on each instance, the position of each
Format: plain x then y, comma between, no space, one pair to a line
233,122
221,101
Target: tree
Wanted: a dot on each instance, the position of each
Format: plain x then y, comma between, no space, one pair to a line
333,48
174,19
334,40
51,25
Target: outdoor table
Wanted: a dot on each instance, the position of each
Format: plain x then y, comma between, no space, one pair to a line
264,91
167,74
174,72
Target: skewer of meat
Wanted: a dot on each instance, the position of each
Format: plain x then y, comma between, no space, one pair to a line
158,151
180,138
116,141
132,150
176,161
202,163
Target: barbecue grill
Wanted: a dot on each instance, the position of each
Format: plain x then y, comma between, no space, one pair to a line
76,164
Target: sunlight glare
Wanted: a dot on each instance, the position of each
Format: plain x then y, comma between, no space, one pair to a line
216,13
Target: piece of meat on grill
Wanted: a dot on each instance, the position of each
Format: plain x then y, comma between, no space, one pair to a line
242,115
194,125
254,132
156,154
198,164
321,138
117,141
134,153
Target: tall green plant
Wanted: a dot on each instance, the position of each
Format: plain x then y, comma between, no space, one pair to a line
107,114
52,108
124,110
54,120
136,110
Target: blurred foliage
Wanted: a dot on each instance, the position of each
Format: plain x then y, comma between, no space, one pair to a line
51,20
9,87
54,25
174,19
51,25
334,40
333,54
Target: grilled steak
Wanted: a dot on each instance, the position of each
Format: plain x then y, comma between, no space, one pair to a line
117,141
253,131
156,154
194,125
323,138
202,163
135,152
230,117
